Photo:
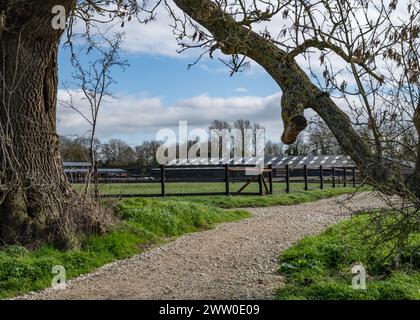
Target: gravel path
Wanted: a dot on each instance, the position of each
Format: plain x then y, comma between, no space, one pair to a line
233,261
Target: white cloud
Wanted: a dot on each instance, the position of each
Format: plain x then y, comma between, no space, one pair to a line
155,38
139,117
210,67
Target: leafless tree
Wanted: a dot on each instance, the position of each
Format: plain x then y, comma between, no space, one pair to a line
354,62
146,152
95,81
117,153
320,139
273,149
75,148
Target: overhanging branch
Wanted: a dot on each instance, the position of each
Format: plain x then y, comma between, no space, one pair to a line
321,45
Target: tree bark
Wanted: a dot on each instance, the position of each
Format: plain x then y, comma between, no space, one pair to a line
38,204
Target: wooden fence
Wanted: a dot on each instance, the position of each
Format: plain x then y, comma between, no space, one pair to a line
265,177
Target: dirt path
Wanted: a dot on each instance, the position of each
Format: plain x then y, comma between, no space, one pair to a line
233,261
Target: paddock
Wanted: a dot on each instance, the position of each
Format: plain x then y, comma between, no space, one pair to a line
229,177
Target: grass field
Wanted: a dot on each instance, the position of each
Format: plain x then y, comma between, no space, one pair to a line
318,267
196,187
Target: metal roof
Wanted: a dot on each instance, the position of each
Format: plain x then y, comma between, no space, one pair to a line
76,164
292,161
99,170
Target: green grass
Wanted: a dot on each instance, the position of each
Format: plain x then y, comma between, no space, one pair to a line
154,188
318,267
144,222
277,199
195,187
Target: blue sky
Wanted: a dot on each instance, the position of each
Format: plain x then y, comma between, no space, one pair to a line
170,78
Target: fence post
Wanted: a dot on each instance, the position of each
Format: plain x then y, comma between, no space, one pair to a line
354,177
227,179
260,184
96,179
345,177
333,176
287,179
321,176
162,180
270,178
305,175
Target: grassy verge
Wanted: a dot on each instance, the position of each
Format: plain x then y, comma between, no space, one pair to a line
143,222
318,267
277,199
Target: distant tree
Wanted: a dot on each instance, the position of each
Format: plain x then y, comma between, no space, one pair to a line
248,126
242,124
74,149
258,137
273,149
320,139
117,153
146,153
220,125
299,148
215,139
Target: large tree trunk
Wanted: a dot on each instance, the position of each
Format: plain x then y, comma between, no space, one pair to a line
38,204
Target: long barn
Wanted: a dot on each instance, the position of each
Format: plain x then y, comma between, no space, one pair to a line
209,169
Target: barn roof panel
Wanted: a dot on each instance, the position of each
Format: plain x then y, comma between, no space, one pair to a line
278,161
